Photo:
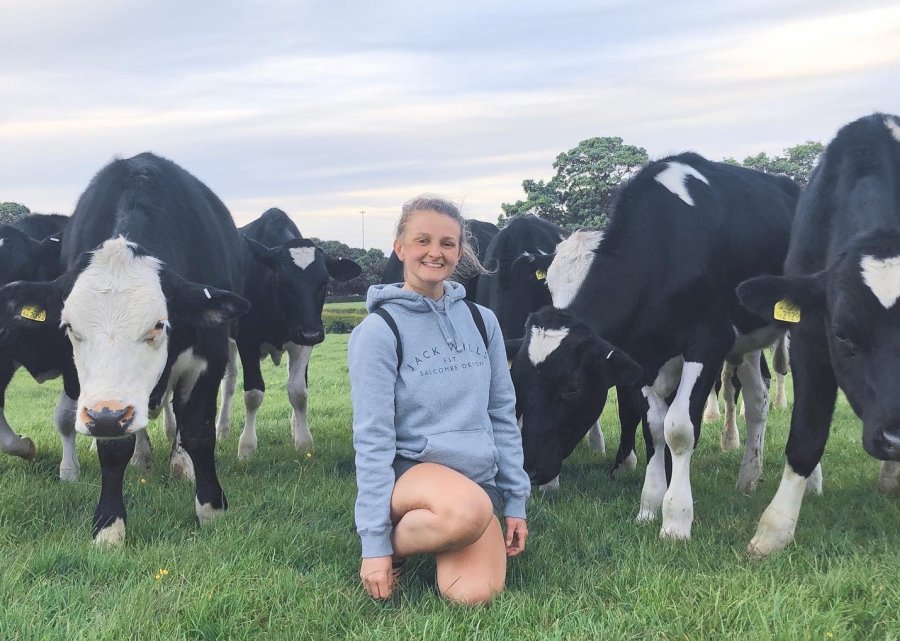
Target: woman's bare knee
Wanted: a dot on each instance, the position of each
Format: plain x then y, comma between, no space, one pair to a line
466,519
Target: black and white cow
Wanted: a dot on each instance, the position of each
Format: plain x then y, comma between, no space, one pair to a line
480,235
839,296
29,251
150,255
285,279
658,285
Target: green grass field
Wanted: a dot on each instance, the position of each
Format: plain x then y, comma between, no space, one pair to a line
283,562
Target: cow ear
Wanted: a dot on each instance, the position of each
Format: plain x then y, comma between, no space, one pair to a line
342,268
28,307
783,298
49,248
535,265
267,256
624,369
200,305
513,345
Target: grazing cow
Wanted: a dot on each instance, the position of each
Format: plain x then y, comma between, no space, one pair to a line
150,254
285,277
480,235
839,296
29,250
658,285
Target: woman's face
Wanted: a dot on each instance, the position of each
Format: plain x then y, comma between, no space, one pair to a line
430,250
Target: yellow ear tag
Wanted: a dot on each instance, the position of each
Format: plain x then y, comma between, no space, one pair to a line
540,275
786,311
34,313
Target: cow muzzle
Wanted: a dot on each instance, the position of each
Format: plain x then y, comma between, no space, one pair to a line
308,338
107,419
884,446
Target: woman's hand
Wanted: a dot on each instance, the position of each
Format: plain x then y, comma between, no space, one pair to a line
377,576
516,535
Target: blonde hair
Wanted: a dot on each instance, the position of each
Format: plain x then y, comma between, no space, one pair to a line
468,265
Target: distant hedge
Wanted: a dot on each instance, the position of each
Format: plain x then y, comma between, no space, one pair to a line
342,320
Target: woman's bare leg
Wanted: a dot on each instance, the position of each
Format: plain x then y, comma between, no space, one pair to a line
438,510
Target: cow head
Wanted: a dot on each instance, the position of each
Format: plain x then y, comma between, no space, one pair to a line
853,306
561,371
24,258
118,307
301,273
521,290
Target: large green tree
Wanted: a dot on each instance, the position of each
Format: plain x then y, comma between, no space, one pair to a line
797,162
372,262
10,211
579,194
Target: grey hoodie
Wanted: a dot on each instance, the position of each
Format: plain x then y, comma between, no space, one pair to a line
451,402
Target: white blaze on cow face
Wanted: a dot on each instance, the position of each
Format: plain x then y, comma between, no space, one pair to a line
674,178
116,319
543,342
882,275
303,256
893,126
574,257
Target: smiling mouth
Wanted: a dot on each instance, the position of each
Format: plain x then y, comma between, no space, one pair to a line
434,265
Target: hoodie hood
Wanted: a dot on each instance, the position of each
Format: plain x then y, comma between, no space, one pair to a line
415,303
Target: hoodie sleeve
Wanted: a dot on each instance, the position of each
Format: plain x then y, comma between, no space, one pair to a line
511,478
372,359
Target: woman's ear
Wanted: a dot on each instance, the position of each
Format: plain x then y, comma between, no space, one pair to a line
398,249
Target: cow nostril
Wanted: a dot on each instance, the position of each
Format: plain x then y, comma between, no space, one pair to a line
108,420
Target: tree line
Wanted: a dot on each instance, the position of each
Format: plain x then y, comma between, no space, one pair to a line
580,192
578,195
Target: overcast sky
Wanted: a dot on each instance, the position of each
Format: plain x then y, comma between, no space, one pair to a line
328,109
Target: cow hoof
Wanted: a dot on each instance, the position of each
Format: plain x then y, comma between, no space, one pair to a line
814,482
69,474
767,542
111,535
712,414
630,462
23,447
550,488
747,483
206,512
222,432
246,447
675,532
729,441
303,443
142,461
889,477
181,466
645,515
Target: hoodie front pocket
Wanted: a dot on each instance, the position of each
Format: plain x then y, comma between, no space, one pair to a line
469,452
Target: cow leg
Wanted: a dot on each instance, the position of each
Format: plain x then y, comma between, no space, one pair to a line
815,393
712,412
595,438
10,442
730,438
109,517
196,416
631,412
143,451
889,477
756,400
180,464
682,425
229,384
298,363
780,365
170,423
254,392
64,418
654,488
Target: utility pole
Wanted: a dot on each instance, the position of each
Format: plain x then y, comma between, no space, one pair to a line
362,216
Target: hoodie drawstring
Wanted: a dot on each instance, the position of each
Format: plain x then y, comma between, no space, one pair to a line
448,329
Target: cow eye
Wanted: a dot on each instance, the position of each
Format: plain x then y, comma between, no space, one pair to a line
569,392
845,344
74,336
